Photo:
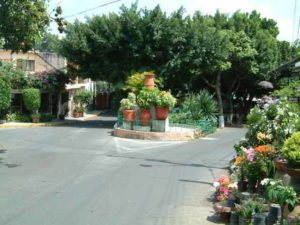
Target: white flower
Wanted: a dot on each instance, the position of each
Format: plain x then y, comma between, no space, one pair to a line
272,183
233,185
216,184
265,181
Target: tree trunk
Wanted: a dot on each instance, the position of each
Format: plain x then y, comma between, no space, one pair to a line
230,109
220,102
59,108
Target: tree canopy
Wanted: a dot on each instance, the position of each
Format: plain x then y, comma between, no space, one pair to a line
23,23
229,55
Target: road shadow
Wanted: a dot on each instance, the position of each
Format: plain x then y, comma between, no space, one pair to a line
167,162
8,165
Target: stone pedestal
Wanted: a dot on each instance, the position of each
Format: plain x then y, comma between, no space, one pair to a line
127,125
141,128
159,125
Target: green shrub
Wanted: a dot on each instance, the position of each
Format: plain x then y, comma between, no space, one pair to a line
18,117
81,100
249,208
200,105
128,103
146,98
291,149
255,116
46,117
32,99
164,99
5,98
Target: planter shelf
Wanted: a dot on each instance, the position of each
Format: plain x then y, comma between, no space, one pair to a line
293,172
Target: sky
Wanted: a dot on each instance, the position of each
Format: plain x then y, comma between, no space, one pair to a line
283,12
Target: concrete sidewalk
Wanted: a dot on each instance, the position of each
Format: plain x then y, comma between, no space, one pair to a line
68,120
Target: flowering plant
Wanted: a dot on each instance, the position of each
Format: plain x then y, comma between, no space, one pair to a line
278,193
225,188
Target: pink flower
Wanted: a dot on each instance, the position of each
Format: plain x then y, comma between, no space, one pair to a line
219,198
222,189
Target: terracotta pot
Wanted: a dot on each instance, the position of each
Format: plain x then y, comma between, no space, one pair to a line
279,163
293,172
145,117
161,113
76,114
35,119
129,115
80,114
149,80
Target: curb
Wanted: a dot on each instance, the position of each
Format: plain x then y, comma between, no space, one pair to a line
28,125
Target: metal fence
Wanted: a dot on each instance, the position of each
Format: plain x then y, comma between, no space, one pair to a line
204,126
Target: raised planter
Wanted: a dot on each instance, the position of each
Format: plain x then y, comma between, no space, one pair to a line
159,125
142,128
279,164
293,172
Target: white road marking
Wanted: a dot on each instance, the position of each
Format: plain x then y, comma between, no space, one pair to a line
132,145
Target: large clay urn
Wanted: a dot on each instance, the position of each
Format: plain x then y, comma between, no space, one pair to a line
145,117
161,112
129,115
149,80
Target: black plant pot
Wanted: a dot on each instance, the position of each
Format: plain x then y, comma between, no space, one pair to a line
259,219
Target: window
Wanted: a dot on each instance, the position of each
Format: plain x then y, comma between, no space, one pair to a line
26,65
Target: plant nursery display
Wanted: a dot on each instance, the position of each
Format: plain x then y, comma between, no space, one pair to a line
81,100
272,135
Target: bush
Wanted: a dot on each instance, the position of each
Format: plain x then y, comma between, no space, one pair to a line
146,98
5,98
46,117
291,149
128,103
32,99
81,100
200,105
255,116
164,99
18,117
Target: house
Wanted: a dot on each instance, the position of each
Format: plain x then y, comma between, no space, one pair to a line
35,62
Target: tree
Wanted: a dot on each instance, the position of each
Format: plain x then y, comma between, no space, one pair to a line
230,55
23,23
49,43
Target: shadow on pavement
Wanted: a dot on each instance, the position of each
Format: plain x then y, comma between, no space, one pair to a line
167,162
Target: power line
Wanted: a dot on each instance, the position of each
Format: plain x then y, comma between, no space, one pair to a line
58,3
99,6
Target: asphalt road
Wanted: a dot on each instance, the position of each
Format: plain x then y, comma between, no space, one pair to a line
81,175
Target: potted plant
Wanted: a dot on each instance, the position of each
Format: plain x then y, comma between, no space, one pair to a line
291,152
5,99
32,101
127,106
278,193
81,100
164,101
247,210
145,100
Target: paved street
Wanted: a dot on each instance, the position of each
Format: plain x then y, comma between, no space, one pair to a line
81,175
